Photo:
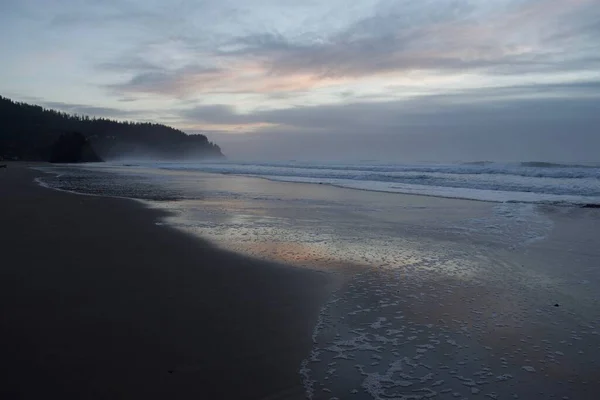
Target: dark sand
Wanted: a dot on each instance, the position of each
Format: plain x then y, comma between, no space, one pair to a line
97,301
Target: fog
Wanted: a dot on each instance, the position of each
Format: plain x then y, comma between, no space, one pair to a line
556,130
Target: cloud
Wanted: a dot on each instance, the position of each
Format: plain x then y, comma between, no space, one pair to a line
134,64
556,122
87,13
243,77
432,128
568,101
175,83
445,36
391,42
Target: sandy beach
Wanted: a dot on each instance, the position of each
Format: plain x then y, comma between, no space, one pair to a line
226,286
99,302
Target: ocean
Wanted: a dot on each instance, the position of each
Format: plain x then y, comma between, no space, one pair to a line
508,203
526,182
530,182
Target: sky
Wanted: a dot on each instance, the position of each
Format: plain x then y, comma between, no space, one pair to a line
426,80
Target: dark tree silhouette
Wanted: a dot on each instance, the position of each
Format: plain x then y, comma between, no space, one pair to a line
73,148
28,132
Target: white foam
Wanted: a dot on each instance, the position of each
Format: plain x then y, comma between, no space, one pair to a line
497,183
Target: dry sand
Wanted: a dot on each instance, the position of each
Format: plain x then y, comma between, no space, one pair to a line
97,301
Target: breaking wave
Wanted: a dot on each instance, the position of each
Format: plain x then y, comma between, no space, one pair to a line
531,182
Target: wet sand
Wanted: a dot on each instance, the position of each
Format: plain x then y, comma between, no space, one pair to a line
467,321
442,298
98,301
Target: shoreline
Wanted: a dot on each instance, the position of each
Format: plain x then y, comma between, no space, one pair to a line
568,201
551,203
448,289
101,302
